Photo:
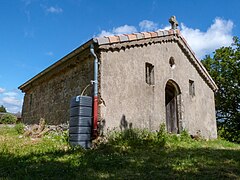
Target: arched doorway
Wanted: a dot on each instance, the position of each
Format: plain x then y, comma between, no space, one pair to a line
172,104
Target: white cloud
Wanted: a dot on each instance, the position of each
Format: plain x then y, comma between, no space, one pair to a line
144,25
126,29
12,100
54,10
14,109
147,25
217,35
105,33
165,28
12,94
2,90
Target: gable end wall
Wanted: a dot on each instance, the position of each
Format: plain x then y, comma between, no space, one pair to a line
131,102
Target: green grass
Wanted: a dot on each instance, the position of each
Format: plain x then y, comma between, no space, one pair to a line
143,156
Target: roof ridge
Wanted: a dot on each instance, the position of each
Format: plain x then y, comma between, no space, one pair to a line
135,36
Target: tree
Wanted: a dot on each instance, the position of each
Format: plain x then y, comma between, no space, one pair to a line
3,109
224,68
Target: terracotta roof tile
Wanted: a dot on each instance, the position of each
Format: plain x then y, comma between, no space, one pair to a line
177,31
153,34
136,36
113,39
165,33
160,33
102,40
171,31
131,36
146,34
123,38
139,35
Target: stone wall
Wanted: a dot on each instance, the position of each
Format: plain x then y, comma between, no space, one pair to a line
49,96
131,102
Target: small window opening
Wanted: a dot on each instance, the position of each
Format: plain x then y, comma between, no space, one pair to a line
191,88
149,73
172,62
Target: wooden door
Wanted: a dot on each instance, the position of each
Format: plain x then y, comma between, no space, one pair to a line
171,116
173,108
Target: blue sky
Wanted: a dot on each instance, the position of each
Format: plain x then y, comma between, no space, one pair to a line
36,33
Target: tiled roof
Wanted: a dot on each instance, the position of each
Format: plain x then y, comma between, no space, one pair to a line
134,36
122,38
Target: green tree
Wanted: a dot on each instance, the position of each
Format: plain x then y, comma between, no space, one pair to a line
224,67
2,109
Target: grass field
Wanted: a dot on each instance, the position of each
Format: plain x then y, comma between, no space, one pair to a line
177,157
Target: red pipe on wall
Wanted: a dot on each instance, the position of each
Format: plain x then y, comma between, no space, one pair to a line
95,116
95,92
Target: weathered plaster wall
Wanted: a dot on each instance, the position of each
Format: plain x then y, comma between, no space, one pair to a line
130,101
49,97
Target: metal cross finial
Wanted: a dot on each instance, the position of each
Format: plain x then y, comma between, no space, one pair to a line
173,22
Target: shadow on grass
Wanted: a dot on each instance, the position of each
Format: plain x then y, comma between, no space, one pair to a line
133,163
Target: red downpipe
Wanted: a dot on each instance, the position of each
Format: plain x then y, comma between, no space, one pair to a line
95,116
95,92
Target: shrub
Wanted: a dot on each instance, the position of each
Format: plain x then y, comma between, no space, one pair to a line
134,138
185,136
162,135
60,136
19,128
8,119
229,134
